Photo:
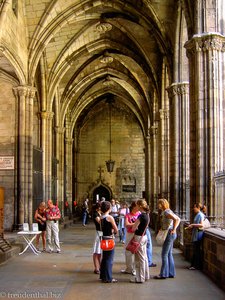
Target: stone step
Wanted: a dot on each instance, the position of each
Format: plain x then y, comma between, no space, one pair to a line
14,251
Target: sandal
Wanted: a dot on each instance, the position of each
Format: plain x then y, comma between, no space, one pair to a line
112,281
191,268
135,281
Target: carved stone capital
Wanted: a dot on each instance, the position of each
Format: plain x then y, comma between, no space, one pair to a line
69,141
46,115
154,130
205,42
164,114
32,92
20,91
59,130
181,88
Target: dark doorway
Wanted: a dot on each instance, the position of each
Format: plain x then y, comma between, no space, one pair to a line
100,192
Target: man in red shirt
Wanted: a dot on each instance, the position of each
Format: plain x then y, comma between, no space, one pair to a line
53,215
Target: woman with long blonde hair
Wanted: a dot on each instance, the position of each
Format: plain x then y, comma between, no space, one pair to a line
169,221
40,217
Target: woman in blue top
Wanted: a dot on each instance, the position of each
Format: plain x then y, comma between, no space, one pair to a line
197,235
169,221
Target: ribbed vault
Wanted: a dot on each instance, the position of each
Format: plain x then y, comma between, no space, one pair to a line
70,39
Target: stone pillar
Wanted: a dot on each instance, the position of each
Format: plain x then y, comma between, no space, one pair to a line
164,153
60,172
69,164
46,135
30,101
148,170
179,147
154,166
21,94
207,151
25,95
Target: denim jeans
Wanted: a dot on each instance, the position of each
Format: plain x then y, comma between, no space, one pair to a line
106,265
149,246
168,267
122,234
84,218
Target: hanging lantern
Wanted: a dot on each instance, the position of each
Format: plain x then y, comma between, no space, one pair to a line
110,163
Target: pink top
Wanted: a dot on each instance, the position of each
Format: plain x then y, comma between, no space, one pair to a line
131,218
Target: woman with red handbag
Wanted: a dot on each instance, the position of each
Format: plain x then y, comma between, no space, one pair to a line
139,229
109,228
130,218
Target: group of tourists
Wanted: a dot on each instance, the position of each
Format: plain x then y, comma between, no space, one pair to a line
128,223
47,218
136,226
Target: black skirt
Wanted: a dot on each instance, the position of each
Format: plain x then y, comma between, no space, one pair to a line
42,227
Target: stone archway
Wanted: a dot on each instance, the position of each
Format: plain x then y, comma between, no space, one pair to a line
101,191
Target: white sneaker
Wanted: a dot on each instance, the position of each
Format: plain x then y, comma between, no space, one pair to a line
125,272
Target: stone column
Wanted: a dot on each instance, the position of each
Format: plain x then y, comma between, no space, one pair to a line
25,95
20,93
46,135
69,164
148,169
207,151
30,101
179,147
154,170
164,153
60,156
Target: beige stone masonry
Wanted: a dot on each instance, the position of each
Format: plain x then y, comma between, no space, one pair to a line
206,55
179,146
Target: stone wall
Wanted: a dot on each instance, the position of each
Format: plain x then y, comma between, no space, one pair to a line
127,151
7,146
213,254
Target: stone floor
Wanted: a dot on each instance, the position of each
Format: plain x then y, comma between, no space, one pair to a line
70,276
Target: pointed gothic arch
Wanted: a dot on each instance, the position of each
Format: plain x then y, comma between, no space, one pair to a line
102,190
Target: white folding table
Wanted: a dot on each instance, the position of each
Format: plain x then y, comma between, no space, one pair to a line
29,237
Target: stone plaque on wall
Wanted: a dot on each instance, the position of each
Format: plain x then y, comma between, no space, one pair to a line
6,162
129,184
129,188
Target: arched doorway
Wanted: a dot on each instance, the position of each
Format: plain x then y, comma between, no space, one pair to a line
101,191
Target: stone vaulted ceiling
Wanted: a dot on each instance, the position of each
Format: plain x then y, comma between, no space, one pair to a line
88,49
